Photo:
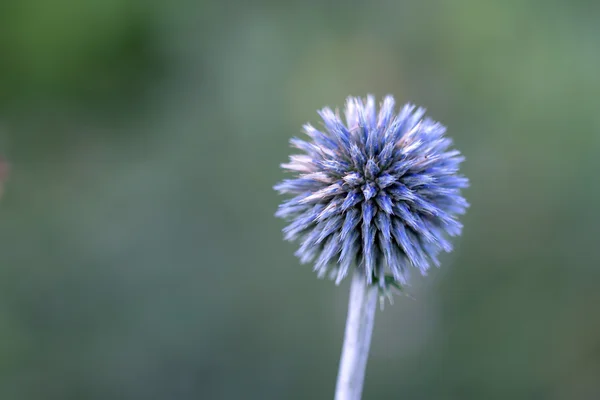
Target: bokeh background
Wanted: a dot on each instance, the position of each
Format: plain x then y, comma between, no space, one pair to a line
139,255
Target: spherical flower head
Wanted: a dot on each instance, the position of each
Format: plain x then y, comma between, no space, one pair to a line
380,192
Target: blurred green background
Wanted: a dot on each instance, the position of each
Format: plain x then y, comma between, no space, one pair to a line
139,255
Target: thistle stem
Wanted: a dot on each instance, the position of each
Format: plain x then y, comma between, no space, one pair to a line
357,338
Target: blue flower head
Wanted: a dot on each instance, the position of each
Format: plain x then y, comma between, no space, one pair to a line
380,192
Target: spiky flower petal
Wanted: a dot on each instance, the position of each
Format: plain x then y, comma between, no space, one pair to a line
380,192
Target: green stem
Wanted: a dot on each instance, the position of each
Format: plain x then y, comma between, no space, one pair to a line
357,338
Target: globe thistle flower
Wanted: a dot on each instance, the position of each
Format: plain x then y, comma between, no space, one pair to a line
380,192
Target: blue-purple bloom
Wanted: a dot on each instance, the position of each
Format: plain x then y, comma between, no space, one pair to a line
380,192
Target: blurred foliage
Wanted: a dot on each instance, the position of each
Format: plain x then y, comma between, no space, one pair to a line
92,50
139,255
